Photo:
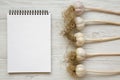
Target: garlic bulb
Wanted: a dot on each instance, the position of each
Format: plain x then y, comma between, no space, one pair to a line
79,34
80,24
80,54
79,8
80,70
80,40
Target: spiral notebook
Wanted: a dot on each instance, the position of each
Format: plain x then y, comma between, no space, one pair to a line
29,41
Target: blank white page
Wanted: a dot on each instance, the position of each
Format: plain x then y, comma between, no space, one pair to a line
29,43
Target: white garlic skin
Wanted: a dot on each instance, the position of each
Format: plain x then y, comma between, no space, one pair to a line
80,70
80,24
80,54
79,8
78,34
80,40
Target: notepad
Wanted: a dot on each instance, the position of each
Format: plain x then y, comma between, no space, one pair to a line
28,41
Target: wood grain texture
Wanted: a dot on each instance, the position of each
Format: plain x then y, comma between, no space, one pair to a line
60,45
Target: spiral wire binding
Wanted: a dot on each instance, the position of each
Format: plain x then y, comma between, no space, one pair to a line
28,12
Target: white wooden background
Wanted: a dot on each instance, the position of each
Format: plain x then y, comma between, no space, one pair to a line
60,45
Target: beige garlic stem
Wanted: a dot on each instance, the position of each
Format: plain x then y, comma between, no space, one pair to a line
102,39
104,72
102,10
101,22
102,54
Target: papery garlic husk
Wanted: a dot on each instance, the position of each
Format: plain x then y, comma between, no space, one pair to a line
80,70
80,24
80,54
